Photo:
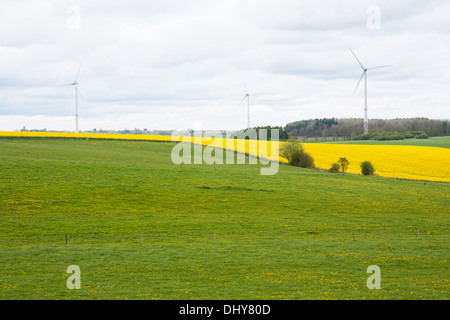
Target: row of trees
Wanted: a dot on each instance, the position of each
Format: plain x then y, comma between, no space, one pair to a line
282,134
348,128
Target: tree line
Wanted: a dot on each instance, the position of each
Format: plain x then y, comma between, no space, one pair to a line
346,129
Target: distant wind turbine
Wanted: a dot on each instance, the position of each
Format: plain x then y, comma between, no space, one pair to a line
247,96
364,74
75,84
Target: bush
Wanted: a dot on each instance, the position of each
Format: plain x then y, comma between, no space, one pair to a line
422,136
409,135
304,160
367,168
367,136
416,133
334,167
295,154
391,136
380,137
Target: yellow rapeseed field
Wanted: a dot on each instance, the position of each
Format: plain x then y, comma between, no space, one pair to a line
396,161
84,135
403,162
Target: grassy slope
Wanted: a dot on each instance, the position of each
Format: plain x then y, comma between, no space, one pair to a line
104,194
442,142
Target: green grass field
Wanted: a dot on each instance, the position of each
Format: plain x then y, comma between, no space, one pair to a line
442,142
287,236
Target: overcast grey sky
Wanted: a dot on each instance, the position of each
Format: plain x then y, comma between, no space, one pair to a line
178,64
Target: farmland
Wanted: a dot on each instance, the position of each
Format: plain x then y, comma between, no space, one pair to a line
410,162
210,231
439,142
395,161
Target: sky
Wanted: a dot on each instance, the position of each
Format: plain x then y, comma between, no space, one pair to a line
179,64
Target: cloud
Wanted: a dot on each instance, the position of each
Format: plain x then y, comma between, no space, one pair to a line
172,64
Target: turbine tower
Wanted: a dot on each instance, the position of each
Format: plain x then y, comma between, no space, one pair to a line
75,84
364,74
247,96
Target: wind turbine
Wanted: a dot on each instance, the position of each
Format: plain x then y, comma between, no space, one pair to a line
247,96
364,74
75,84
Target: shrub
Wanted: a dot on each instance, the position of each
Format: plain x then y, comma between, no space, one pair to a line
367,136
367,168
304,160
288,149
391,136
416,133
295,154
343,163
409,135
334,167
422,136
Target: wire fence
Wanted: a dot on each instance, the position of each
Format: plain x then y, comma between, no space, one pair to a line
149,238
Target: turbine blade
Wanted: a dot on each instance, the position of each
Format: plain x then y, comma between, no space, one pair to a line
362,67
76,78
362,75
379,67
245,86
243,99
